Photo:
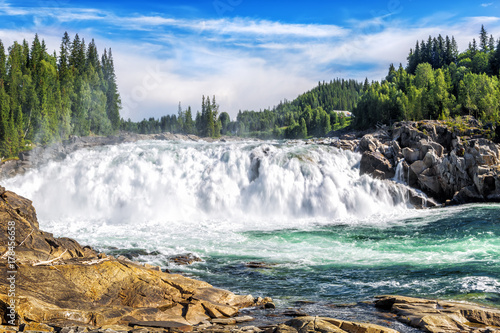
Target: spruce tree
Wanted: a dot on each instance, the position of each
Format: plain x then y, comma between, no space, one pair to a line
483,39
3,62
491,44
113,101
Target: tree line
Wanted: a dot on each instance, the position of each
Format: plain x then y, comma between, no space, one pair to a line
437,83
310,114
48,97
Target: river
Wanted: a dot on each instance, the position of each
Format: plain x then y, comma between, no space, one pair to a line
329,238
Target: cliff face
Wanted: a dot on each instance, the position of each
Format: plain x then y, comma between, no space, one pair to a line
436,160
57,281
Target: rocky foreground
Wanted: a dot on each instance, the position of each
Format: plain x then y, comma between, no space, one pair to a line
54,284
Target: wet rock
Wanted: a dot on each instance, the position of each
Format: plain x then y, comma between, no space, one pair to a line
376,165
243,319
396,149
293,313
224,321
184,259
258,264
163,324
368,143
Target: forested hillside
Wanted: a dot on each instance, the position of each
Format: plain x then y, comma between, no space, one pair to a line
47,97
310,114
438,83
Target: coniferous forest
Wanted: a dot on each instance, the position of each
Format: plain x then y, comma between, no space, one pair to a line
47,97
437,83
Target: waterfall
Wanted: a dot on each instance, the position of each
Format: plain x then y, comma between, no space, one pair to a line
244,182
399,176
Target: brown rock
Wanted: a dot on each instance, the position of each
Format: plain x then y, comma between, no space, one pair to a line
353,327
437,316
185,259
163,324
32,326
376,165
418,167
368,143
195,313
282,328
224,321
312,324
411,155
243,319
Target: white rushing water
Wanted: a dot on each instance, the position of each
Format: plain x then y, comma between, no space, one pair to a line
178,181
174,196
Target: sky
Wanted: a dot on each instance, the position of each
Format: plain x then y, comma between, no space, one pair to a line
250,54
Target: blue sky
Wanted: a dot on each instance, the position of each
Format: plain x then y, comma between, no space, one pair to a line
249,53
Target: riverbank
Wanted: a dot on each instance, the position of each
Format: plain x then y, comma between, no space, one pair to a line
62,286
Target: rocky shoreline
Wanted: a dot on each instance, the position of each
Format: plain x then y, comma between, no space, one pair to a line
60,286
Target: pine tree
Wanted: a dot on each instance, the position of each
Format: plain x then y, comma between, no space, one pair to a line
3,62
496,61
483,39
474,47
113,101
366,85
64,55
189,125
215,118
491,44
26,59
92,58
303,129
209,121
77,55
391,76
4,123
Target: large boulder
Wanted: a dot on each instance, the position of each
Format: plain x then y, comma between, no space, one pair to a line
376,165
368,143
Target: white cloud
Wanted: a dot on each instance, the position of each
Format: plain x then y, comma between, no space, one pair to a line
486,4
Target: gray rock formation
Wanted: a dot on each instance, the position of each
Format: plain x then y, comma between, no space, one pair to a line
437,160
